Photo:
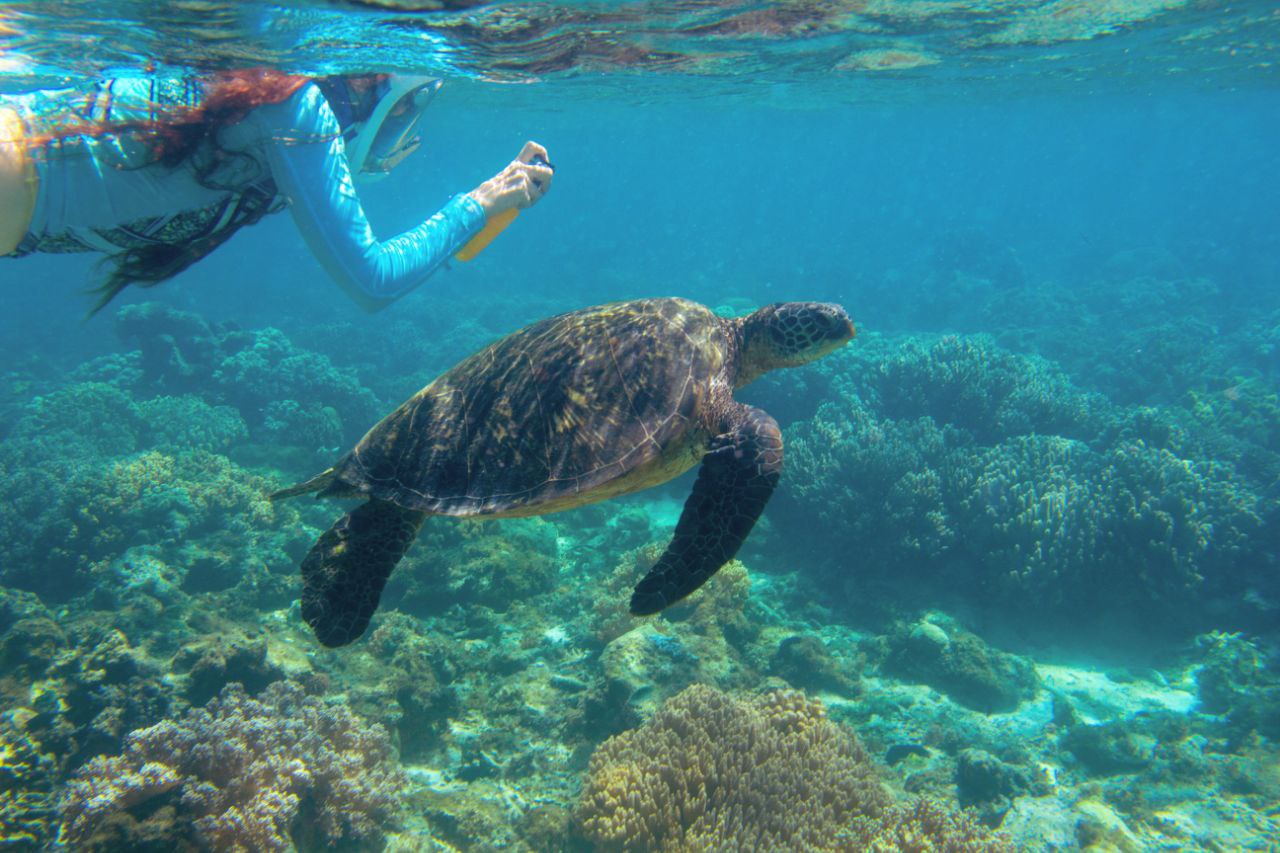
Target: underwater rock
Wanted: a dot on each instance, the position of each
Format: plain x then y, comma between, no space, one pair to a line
282,771
1110,748
213,662
1236,681
18,604
1041,823
803,661
987,782
902,751
959,664
1100,828
458,561
93,693
417,676
29,646
639,662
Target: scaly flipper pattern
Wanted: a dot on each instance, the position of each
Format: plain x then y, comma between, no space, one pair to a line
738,475
345,571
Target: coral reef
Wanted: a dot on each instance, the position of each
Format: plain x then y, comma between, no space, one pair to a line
280,771
142,572
96,689
709,771
285,394
1235,681
91,475
27,779
463,562
962,462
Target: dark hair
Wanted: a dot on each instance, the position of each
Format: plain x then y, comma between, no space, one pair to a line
156,263
176,135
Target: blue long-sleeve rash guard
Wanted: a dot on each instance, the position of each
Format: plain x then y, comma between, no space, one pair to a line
92,190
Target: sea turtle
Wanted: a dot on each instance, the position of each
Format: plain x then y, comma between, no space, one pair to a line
571,410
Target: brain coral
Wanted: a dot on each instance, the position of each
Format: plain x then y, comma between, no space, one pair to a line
712,772
281,771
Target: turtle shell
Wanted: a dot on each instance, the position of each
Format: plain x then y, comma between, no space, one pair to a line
558,412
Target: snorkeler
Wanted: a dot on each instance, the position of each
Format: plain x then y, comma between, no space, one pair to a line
157,173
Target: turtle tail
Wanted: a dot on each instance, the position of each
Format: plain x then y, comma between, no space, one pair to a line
345,571
315,484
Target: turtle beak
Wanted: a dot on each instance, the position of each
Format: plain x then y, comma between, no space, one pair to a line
842,328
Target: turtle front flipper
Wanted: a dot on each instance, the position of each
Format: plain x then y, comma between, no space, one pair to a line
737,477
345,571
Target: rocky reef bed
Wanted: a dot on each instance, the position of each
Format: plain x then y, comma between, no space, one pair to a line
1028,618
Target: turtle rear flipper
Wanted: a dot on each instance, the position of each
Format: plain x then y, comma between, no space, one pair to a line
315,484
345,571
737,477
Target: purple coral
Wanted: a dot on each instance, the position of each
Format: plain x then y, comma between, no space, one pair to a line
280,771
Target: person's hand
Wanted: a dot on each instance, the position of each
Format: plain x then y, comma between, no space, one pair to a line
520,185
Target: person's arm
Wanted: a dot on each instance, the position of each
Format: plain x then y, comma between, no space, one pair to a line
308,161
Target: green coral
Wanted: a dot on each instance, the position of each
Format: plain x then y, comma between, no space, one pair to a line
989,474
260,373
189,423
1055,520
972,384
89,473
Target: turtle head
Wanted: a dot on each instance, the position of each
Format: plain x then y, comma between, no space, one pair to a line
789,334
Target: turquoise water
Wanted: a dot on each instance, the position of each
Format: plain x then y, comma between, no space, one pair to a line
1024,547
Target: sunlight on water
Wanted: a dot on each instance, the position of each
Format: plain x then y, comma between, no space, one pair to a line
938,46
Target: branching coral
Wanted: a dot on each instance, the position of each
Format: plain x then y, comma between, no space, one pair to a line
712,772
26,783
79,494
1134,526
241,774
974,385
260,373
987,470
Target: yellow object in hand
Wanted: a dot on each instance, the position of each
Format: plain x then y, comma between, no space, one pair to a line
491,229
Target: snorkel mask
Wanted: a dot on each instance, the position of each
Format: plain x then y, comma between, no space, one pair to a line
377,143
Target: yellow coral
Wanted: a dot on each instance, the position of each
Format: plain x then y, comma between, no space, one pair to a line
714,772
710,771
